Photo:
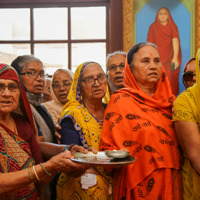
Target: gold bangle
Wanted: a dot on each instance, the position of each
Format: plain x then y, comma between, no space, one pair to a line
30,174
48,173
35,173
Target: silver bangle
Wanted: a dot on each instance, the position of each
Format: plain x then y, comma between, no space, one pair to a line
35,173
48,173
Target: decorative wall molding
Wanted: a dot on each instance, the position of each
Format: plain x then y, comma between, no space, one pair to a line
197,26
127,24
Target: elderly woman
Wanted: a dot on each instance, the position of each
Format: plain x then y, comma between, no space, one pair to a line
81,122
61,83
22,166
189,73
186,119
32,74
138,118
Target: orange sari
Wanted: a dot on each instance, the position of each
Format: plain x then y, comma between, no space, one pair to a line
142,124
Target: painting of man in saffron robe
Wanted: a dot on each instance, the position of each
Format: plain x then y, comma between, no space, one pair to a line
164,33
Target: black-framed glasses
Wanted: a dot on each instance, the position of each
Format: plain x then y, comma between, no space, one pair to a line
12,87
89,81
33,74
188,76
65,85
113,68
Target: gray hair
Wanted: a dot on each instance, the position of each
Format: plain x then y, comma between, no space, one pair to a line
21,61
113,54
69,72
135,49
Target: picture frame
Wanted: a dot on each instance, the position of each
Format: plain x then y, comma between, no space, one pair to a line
137,15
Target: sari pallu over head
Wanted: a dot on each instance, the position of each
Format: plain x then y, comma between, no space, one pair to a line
54,106
90,134
162,36
83,121
142,124
11,145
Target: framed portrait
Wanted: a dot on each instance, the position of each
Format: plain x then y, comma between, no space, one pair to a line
140,20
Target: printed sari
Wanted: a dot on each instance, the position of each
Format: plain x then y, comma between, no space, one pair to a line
16,152
90,134
142,124
15,155
187,108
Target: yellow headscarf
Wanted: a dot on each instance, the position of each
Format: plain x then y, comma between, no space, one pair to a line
87,126
90,134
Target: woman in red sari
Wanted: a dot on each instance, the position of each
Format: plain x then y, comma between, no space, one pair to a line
138,118
164,33
21,164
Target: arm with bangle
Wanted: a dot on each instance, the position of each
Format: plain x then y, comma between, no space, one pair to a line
42,173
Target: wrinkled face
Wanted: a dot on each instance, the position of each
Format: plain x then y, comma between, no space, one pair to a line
96,90
146,67
9,96
163,15
191,67
61,86
33,85
116,75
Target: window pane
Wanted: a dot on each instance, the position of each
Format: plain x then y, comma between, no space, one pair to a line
53,56
50,23
88,23
88,52
8,52
15,24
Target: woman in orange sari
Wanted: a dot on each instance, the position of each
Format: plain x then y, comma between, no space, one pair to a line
138,118
164,33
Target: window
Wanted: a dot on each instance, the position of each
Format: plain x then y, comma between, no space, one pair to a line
62,37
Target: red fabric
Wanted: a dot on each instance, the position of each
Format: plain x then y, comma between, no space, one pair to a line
8,72
26,132
141,124
162,36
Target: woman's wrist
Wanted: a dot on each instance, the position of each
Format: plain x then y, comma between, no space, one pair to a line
70,147
50,167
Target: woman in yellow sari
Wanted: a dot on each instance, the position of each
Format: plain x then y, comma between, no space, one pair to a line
81,122
186,119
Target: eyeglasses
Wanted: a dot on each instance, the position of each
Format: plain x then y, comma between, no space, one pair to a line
33,74
89,81
113,68
188,76
65,85
11,87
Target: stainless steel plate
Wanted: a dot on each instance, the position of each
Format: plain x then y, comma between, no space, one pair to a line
101,159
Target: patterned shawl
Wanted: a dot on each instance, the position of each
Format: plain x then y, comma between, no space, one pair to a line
15,153
142,124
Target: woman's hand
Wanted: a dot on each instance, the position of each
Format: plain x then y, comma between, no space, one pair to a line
63,163
176,63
